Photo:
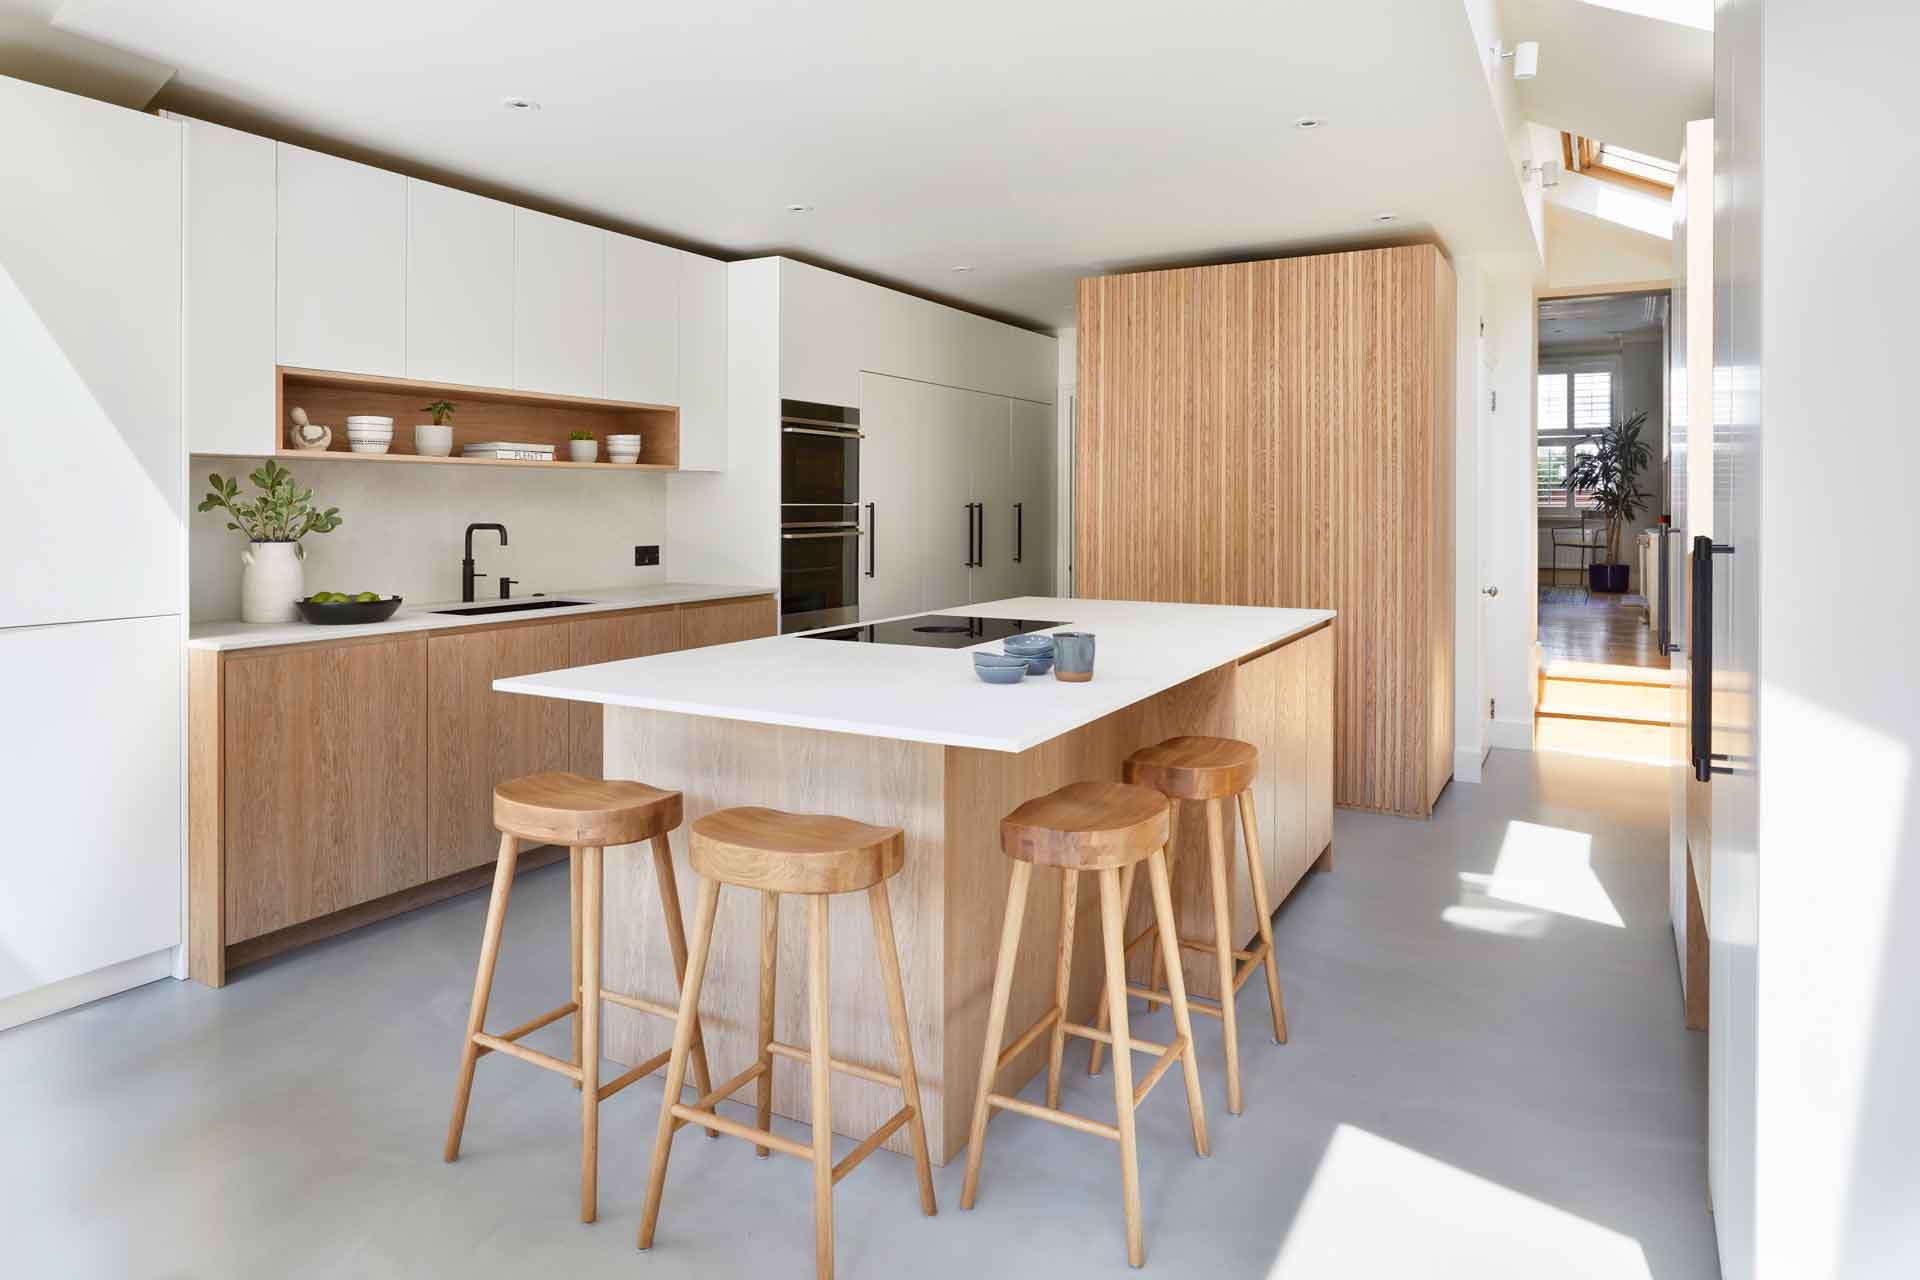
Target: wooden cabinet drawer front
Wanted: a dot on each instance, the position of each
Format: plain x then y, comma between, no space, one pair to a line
326,803
611,639
727,621
478,738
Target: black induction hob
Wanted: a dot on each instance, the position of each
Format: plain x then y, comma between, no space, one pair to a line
935,630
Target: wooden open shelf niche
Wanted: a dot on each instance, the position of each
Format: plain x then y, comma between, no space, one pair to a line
480,413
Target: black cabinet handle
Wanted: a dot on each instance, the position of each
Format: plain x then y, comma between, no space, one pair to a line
1700,660
969,560
873,539
980,535
1019,530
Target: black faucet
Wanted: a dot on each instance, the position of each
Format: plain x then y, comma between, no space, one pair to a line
467,575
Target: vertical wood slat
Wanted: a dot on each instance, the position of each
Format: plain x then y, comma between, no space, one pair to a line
1281,433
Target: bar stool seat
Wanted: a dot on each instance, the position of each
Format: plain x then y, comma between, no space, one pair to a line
815,856
1209,771
1103,828
567,809
586,815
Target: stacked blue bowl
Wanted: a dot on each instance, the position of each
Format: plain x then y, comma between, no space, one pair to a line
999,668
1036,649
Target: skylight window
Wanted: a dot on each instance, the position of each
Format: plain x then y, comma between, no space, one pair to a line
1616,163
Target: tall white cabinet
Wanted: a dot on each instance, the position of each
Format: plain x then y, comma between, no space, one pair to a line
90,639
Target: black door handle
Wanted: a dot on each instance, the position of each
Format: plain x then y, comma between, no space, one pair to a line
1019,530
872,537
1700,660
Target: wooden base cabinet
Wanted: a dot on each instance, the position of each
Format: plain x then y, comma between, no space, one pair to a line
333,783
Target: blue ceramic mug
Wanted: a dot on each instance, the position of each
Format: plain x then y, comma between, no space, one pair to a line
1073,655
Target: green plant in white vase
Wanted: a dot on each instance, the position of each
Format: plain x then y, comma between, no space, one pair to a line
274,520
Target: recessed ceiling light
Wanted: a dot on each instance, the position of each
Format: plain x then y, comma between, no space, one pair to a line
962,268
1558,329
1308,122
1386,217
520,104
799,208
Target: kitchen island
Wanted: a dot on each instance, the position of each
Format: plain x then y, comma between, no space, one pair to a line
906,735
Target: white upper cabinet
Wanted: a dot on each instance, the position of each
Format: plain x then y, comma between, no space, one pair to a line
559,312
460,304
229,276
90,441
822,325
1033,454
642,338
342,288
703,364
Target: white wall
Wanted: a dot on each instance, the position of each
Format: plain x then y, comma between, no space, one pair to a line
402,529
1472,423
1590,253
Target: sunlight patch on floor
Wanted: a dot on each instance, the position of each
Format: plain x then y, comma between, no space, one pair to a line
1376,1208
1547,868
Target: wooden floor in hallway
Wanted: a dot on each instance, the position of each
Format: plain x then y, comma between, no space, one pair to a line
1604,686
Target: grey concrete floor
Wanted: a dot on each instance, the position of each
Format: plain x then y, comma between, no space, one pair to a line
1487,1077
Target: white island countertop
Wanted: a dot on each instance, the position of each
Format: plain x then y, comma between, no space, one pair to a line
931,694
253,635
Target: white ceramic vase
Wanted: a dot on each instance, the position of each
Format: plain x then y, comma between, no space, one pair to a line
583,450
271,579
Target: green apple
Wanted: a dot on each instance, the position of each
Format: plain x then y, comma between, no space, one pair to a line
368,597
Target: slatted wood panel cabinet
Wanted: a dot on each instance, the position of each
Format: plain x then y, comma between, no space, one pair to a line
336,782
1281,433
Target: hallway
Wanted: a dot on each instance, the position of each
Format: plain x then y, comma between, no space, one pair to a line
1487,1077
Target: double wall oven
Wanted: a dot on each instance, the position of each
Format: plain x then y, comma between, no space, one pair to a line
820,534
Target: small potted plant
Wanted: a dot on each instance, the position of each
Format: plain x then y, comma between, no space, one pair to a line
582,446
271,577
1610,475
435,440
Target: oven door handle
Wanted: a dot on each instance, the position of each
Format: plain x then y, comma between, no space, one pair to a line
813,537
818,431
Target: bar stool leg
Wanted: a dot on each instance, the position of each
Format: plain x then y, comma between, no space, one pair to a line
822,1082
1262,916
996,1023
1098,1052
1113,935
882,910
573,930
1223,950
1157,978
769,969
677,944
704,912
1177,992
592,883
482,990
1062,973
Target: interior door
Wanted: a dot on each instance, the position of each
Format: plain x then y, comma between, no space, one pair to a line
1033,448
892,515
989,425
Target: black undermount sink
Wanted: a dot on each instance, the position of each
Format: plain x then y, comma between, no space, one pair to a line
512,606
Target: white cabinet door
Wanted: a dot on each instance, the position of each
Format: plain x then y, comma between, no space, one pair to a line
459,287
559,280
90,443
703,364
1033,451
892,511
230,205
95,873
945,488
821,328
342,289
642,340
988,425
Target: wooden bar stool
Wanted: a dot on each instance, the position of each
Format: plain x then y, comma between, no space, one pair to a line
1210,770
1100,827
813,855
585,815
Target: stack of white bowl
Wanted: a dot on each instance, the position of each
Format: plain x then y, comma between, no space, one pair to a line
623,448
369,434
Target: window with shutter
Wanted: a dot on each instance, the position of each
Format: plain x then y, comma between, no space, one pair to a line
1575,402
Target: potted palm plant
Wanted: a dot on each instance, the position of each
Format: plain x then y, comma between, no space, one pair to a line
1609,474
274,522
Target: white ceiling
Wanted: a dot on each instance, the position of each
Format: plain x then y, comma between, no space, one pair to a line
1035,142
1608,318
1623,78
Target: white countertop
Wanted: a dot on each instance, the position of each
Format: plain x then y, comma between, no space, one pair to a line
253,635
929,694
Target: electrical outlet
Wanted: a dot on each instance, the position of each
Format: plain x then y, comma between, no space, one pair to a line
646,555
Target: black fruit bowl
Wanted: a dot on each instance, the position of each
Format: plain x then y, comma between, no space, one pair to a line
350,611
